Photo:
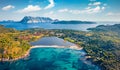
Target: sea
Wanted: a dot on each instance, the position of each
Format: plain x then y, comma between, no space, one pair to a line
82,27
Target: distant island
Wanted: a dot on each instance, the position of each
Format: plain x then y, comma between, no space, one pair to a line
30,20
7,21
73,22
105,28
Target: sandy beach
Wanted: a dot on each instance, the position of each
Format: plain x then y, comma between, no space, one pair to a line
75,47
56,46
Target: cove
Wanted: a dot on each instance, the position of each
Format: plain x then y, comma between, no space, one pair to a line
51,53
51,59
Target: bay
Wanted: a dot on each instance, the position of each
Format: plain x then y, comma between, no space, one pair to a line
51,59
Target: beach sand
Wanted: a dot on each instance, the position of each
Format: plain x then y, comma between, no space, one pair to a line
75,47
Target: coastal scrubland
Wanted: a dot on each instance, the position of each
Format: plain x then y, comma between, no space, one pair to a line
102,43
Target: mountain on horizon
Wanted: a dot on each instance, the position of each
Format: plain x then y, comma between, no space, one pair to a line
29,19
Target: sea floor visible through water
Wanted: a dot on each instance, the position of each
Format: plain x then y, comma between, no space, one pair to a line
51,59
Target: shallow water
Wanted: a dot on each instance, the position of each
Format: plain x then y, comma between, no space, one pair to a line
51,59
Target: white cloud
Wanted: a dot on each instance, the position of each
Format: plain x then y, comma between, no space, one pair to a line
63,10
113,14
52,4
93,8
8,7
29,8
88,7
103,8
97,9
95,4
110,13
88,10
50,14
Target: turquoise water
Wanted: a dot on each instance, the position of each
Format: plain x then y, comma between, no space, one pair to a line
51,59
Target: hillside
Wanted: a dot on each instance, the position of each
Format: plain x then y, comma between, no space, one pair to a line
15,44
101,43
105,28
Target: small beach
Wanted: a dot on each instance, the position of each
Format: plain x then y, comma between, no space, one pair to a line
53,40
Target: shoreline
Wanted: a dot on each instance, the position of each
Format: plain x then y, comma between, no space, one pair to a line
56,46
75,47
21,57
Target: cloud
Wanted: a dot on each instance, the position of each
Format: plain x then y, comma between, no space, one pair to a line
50,14
63,10
88,10
93,8
97,9
29,8
103,8
8,7
52,4
113,14
95,4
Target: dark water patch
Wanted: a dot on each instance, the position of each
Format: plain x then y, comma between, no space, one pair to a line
52,41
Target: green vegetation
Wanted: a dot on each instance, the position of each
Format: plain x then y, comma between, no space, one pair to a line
101,43
69,39
15,44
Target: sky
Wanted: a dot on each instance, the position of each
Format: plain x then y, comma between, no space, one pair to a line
85,10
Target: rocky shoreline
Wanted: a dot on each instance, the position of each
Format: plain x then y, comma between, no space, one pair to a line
23,56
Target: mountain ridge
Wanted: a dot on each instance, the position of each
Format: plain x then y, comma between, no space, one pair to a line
29,19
